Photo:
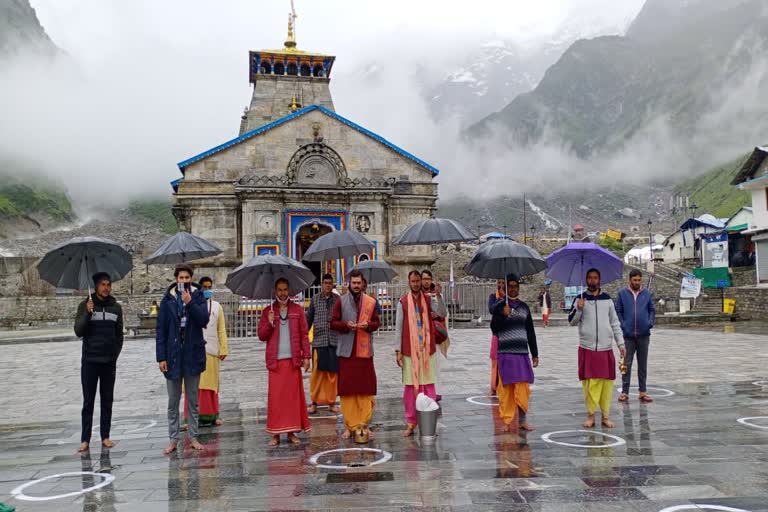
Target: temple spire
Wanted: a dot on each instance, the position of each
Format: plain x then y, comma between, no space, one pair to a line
290,42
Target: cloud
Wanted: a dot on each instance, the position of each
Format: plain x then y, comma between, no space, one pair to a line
148,84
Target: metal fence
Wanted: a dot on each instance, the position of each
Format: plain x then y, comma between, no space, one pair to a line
466,303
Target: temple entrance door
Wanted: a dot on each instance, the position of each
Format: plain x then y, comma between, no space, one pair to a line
304,238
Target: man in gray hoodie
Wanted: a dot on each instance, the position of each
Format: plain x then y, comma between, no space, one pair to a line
593,311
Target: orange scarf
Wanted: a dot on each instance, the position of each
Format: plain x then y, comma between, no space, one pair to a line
419,354
363,337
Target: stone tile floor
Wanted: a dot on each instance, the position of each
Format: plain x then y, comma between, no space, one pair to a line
686,449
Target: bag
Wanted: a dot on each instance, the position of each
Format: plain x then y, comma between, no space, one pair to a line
441,332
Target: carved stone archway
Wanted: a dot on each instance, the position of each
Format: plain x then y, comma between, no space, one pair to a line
316,164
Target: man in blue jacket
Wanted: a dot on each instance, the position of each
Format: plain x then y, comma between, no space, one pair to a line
180,349
637,315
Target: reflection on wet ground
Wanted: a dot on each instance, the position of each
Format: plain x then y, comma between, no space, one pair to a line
686,448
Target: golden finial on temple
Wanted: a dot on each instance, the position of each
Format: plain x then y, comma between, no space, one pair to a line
290,42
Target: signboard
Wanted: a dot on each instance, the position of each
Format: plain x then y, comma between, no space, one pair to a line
690,288
715,252
615,234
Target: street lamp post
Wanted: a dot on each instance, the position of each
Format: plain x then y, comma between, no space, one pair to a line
533,236
650,245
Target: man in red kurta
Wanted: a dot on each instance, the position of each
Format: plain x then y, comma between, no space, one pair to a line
355,318
283,327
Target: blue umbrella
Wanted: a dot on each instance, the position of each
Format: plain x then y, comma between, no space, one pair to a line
568,264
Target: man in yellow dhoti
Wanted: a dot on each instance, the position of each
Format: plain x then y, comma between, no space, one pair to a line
323,386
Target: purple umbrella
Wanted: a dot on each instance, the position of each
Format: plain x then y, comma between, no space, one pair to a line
568,264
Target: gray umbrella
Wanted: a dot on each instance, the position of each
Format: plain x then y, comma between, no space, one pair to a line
73,263
375,271
496,259
182,247
434,231
337,245
256,278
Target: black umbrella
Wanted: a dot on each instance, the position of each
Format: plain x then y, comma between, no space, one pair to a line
498,258
73,263
434,231
182,247
375,271
256,278
338,245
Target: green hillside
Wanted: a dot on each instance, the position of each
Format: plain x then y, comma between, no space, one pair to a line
34,198
713,193
154,211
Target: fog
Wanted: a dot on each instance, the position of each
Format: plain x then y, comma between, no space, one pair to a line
147,84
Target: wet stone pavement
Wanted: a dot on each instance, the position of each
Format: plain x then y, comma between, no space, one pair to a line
702,445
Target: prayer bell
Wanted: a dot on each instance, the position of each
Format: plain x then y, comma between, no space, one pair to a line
622,366
361,435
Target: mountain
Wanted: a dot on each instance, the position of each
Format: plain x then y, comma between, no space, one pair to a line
21,32
712,191
499,70
678,68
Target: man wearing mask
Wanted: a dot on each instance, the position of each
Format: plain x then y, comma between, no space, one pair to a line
99,321
283,327
637,314
593,311
415,332
355,318
216,350
180,351
323,385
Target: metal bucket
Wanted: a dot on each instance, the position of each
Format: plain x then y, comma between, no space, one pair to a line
427,422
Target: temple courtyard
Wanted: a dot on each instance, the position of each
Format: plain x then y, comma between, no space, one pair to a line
701,445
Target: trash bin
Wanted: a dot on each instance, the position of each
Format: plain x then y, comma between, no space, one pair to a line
729,306
427,422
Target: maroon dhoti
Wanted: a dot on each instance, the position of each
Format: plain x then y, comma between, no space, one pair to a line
286,404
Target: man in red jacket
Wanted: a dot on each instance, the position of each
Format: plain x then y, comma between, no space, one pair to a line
283,327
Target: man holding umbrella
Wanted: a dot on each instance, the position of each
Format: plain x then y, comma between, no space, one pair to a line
512,323
283,327
593,311
180,350
99,321
355,318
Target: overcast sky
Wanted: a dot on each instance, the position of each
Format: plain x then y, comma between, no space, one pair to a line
159,81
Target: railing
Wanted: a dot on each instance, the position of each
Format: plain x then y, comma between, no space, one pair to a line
465,301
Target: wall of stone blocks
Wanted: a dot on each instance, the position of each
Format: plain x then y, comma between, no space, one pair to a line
751,302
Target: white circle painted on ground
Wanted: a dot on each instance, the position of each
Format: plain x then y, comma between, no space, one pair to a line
617,441
18,492
473,400
315,458
722,508
761,383
662,392
747,421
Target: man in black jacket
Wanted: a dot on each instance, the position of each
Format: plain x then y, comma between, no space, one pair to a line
99,321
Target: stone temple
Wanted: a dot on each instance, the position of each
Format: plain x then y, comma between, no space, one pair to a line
299,170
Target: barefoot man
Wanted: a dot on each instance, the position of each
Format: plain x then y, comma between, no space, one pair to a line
283,327
180,350
355,318
593,311
513,326
99,321
323,385
493,299
414,328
